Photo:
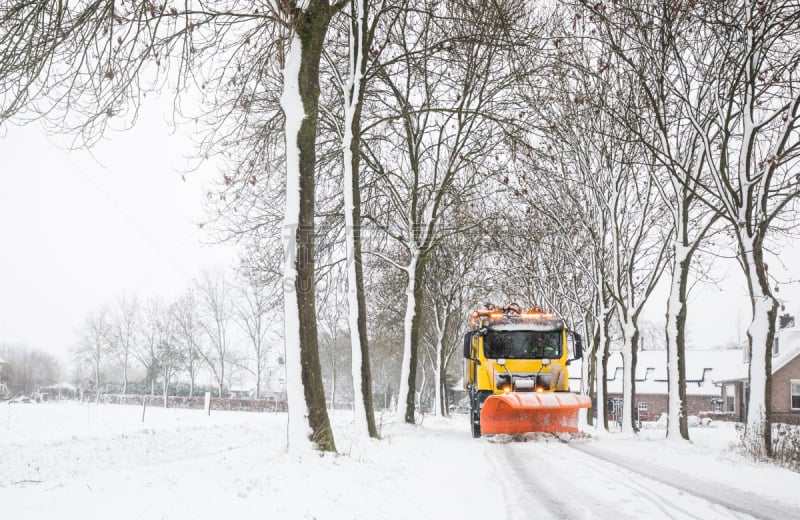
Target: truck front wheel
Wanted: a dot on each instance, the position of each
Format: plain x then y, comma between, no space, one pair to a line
476,399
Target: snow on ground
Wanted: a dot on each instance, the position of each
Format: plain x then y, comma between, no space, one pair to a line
71,460
709,461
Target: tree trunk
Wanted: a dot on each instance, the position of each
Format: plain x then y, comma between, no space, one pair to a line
363,408
437,392
418,395
677,426
333,376
760,334
308,415
601,362
97,383
125,375
408,371
166,386
221,364
630,335
441,391
589,370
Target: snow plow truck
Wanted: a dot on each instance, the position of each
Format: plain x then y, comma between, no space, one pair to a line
516,372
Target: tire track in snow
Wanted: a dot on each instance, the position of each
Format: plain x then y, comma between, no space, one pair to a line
550,478
535,491
732,500
543,492
683,504
497,474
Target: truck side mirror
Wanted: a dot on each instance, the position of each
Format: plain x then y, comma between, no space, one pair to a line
468,345
578,346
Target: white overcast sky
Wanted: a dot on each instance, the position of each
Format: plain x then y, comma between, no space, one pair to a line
78,230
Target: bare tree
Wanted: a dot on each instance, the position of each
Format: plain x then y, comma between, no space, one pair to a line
95,343
26,369
170,355
441,119
639,254
251,310
300,102
214,294
125,326
151,331
567,182
449,287
188,332
362,25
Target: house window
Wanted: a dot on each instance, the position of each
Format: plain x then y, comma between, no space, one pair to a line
730,393
642,405
716,405
795,394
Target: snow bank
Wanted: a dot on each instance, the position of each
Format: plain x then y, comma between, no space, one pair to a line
69,460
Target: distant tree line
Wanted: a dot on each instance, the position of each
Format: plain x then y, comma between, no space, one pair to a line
213,327
27,369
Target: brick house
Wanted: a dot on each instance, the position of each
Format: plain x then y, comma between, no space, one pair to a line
785,383
703,396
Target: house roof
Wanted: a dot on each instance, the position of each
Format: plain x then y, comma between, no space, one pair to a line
788,349
702,369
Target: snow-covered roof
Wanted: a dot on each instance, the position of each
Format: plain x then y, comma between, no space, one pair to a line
702,370
705,369
788,349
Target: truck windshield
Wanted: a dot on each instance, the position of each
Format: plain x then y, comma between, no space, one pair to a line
522,344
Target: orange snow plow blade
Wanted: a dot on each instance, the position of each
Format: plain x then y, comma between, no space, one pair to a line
523,412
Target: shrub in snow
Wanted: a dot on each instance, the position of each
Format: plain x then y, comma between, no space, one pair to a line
706,421
786,446
693,421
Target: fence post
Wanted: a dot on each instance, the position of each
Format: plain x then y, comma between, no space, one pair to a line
207,404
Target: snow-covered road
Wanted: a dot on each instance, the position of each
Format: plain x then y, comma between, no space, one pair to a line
564,483
733,502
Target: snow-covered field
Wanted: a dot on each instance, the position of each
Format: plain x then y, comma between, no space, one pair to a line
70,460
